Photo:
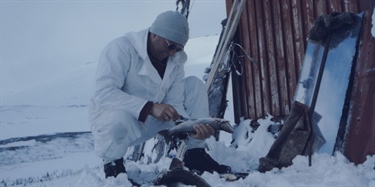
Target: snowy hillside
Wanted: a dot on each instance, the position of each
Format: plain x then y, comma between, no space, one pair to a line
36,150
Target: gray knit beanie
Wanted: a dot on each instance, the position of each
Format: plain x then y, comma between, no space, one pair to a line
171,25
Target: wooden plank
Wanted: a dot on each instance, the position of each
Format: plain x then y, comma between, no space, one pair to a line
364,5
351,7
320,8
247,76
228,5
298,37
253,90
360,138
308,20
270,86
281,12
309,15
263,101
335,6
256,104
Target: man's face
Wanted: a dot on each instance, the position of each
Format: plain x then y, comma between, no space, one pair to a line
162,48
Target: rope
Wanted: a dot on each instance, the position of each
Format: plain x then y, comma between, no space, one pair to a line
238,57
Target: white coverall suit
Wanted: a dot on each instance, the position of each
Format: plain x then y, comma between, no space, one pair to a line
125,81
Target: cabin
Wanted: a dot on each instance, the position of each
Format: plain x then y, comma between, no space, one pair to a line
274,33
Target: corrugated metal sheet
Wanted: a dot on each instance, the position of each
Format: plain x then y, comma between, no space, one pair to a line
274,33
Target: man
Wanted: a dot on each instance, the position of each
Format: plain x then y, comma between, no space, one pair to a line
141,90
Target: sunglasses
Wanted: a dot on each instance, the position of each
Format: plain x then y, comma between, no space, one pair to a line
173,46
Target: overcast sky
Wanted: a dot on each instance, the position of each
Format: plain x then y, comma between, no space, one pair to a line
41,38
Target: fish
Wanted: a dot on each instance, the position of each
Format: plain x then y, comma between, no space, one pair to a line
186,126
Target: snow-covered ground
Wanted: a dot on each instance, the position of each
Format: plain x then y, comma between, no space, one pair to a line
32,154
44,132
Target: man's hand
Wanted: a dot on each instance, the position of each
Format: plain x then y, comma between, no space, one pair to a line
164,112
203,131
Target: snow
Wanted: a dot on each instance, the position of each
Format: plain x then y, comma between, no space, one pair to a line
32,153
31,112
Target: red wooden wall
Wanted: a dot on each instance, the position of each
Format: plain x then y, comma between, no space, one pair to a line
274,33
